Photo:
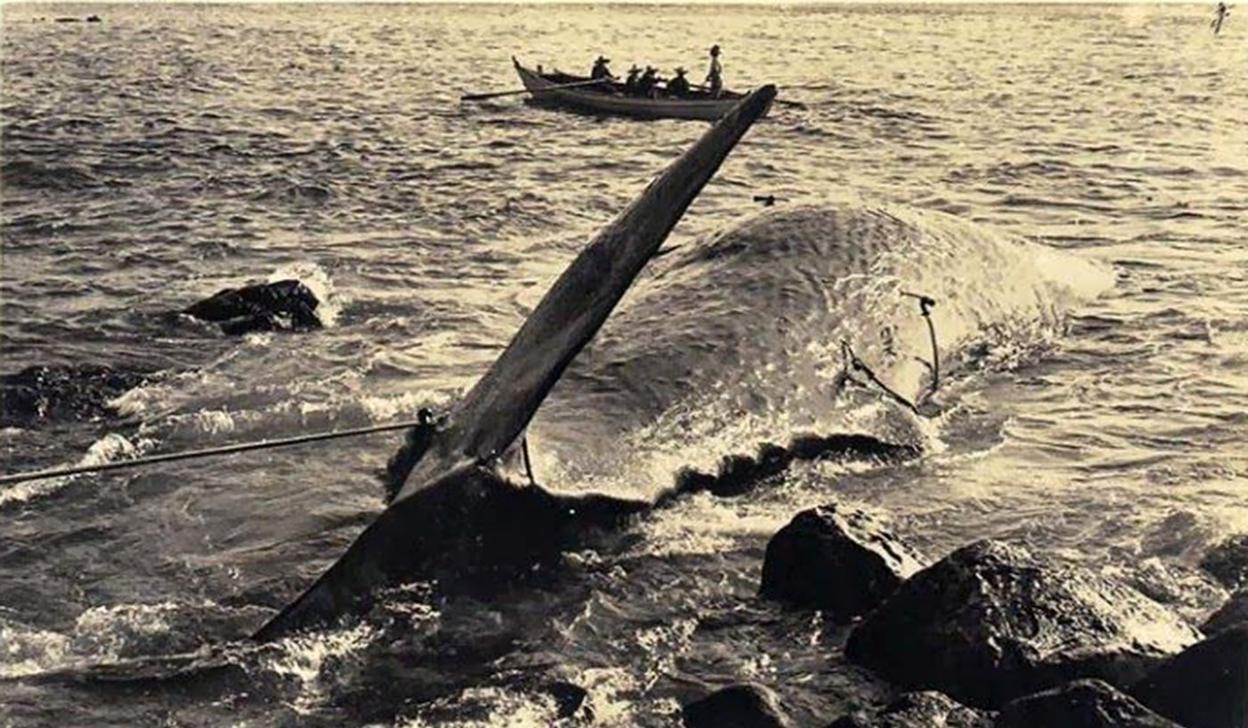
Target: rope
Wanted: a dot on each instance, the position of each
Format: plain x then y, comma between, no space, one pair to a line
852,362
206,452
926,303
859,366
528,464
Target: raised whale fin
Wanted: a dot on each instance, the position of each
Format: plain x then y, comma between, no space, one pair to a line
490,417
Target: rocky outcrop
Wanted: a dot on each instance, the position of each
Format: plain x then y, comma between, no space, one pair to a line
1079,704
840,560
736,706
1231,614
1228,562
990,623
918,710
281,306
42,394
1205,686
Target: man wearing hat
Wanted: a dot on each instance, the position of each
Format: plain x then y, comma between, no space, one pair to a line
645,85
715,77
601,72
630,83
678,87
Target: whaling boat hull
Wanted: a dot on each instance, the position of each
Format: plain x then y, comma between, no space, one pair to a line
614,102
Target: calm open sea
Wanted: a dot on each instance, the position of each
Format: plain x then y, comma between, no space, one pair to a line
1095,409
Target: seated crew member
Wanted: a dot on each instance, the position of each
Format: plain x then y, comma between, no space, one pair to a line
647,82
630,83
600,70
678,87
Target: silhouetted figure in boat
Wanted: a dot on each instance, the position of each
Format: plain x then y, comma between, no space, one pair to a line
647,82
1219,17
630,83
715,75
600,71
678,87
414,447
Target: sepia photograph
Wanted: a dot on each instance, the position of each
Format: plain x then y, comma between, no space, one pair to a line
759,364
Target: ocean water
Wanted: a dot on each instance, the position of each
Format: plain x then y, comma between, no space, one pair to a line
1069,183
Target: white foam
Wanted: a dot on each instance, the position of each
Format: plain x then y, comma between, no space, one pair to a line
322,286
110,448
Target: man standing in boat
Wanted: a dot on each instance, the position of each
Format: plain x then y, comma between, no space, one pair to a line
715,76
600,71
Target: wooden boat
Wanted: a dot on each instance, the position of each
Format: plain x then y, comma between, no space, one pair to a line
609,98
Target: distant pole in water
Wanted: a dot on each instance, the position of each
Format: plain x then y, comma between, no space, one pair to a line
1219,17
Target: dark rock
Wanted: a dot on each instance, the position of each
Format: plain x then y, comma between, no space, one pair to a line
990,623
41,394
569,697
1204,686
282,306
840,560
918,710
1079,704
1228,561
1234,612
736,706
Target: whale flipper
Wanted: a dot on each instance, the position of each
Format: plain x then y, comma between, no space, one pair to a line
498,408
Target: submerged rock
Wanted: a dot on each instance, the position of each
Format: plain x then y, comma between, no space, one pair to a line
81,392
840,560
281,306
736,706
990,622
1079,704
1231,614
918,710
1204,686
1228,562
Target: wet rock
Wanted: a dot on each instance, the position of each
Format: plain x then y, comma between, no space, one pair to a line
1228,562
1079,704
841,560
990,623
1234,612
281,306
1204,686
569,697
42,394
918,710
736,706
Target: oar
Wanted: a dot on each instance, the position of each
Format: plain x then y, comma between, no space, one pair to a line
495,94
778,102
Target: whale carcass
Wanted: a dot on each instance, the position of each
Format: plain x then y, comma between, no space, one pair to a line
453,516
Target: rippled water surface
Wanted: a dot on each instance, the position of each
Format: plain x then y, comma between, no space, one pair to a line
1094,403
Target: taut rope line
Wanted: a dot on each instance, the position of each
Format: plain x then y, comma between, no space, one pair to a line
205,452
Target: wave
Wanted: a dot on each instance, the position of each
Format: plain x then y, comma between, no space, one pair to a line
29,174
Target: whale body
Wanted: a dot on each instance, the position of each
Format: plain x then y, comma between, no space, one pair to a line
453,477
